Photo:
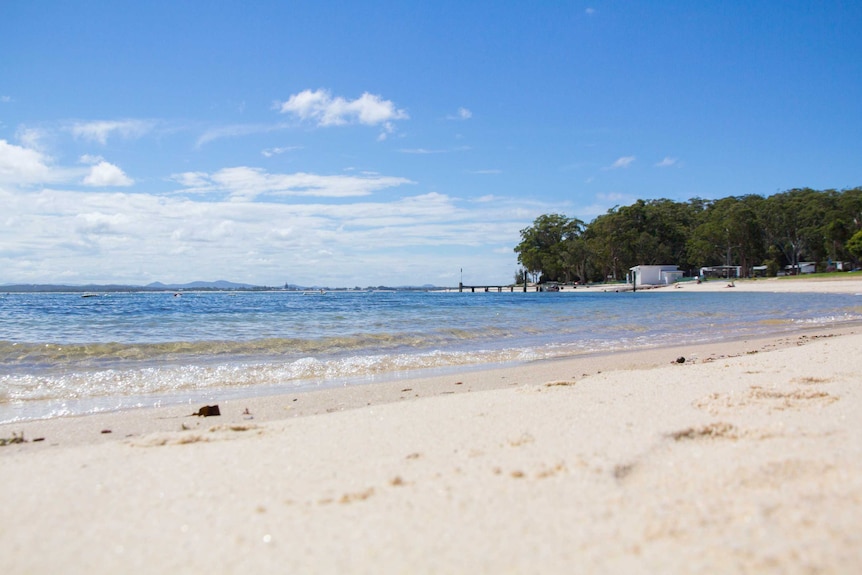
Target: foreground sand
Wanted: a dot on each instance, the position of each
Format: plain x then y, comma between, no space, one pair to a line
747,457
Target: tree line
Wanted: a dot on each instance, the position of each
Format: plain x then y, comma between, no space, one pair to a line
784,229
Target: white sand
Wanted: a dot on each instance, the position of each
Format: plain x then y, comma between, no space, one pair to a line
745,458
845,283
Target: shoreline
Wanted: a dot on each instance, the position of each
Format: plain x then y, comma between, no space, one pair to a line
746,457
848,283
130,422
66,407
851,283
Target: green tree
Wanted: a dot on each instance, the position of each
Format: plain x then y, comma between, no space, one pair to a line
785,228
794,220
854,246
730,233
606,242
646,232
542,250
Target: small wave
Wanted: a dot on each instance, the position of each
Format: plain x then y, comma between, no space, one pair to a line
104,358
54,355
304,371
830,319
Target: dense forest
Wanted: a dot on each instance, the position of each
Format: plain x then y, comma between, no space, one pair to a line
799,225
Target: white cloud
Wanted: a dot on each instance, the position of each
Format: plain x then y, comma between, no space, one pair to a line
270,152
319,106
235,130
388,128
91,159
623,162
5,99
192,179
31,137
615,198
81,237
100,131
105,174
24,166
462,114
590,11
101,223
420,151
245,183
666,162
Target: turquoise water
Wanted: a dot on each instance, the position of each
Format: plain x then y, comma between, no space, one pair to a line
66,354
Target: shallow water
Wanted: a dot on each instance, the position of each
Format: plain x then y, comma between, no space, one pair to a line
63,354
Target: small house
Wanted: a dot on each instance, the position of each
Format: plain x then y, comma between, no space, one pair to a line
654,275
721,272
800,268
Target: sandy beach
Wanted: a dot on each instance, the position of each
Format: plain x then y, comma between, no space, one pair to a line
734,457
849,283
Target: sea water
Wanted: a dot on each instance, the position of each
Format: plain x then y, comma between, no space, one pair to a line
62,354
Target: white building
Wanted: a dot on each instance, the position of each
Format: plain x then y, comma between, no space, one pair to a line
654,275
801,268
721,272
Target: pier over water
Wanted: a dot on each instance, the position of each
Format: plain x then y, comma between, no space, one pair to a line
497,288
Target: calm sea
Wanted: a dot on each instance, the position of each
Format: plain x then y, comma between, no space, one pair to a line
64,354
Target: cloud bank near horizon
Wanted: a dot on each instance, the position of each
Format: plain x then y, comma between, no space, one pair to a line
81,237
88,220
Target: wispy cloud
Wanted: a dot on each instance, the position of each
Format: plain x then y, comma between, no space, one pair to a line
614,198
91,159
666,162
31,138
621,163
421,151
461,114
245,184
590,11
486,172
193,180
100,131
270,152
236,130
320,107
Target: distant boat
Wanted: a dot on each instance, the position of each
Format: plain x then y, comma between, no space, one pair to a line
90,295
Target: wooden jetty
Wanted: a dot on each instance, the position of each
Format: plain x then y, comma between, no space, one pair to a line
511,288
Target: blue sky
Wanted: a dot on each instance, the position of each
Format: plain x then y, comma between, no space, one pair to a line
367,143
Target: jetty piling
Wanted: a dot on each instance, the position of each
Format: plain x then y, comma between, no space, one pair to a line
488,288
